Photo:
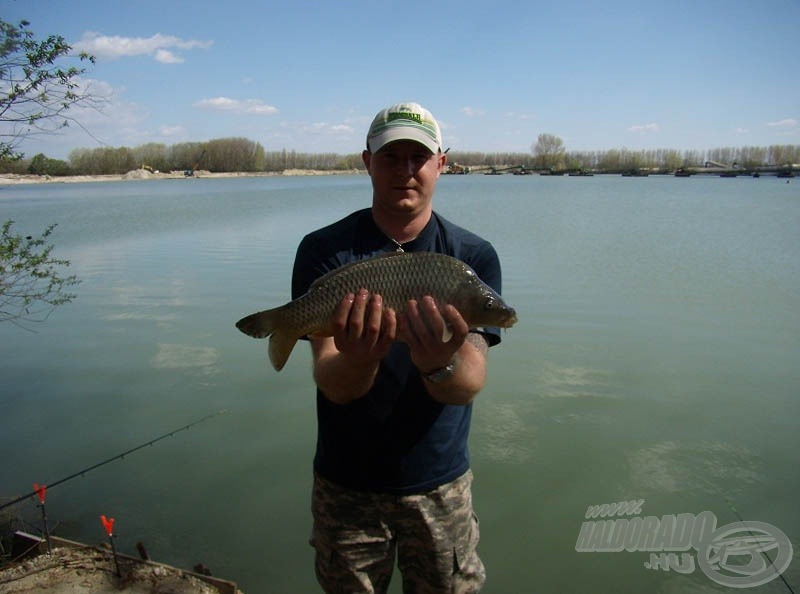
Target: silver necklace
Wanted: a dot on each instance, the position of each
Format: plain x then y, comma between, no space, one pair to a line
398,244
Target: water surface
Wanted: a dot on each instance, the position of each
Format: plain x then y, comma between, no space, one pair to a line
657,357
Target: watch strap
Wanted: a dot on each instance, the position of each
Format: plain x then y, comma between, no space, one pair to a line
439,375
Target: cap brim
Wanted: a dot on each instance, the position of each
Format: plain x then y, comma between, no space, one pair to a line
376,143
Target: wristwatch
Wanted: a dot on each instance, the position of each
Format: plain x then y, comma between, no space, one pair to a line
439,375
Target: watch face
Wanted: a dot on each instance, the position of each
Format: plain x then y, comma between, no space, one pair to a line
440,374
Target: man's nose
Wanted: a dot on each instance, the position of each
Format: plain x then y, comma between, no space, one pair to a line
406,166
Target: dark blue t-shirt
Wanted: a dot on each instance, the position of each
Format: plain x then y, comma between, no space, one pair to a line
396,438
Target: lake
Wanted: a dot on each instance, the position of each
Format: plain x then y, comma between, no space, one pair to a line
656,361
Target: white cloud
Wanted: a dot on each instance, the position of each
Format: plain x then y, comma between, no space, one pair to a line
106,110
335,137
172,131
118,111
644,128
109,120
247,106
787,124
325,128
112,47
472,112
167,57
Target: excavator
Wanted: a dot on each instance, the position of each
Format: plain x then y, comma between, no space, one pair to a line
456,169
515,169
191,172
723,169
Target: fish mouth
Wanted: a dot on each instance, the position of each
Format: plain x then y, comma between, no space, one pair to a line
510,319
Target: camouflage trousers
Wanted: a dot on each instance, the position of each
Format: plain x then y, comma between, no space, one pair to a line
434,536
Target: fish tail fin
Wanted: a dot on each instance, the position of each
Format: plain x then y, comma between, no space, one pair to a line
281,344
268,323
261,324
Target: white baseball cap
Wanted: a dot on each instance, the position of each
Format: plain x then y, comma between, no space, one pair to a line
404,121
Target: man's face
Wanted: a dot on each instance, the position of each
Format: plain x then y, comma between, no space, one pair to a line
404,175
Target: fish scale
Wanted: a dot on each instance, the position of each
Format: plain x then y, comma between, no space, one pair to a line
398,278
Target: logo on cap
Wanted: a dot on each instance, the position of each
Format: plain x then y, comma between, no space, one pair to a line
404,115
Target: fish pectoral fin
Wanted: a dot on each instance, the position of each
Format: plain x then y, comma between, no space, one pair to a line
447,332
322,333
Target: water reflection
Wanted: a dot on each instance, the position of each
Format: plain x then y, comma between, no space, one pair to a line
711,468
504,432
184,356
571,382
657,356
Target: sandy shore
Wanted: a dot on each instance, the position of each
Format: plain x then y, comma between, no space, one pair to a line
143,174
73,568
72,571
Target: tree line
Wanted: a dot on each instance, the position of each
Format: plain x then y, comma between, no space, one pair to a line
217,155
548,152
244,155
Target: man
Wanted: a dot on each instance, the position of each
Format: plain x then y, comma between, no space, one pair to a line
394,402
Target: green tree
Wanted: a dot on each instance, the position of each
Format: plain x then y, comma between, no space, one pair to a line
233,154
549,152
36,89
42,165
31,284
153,155
36,92
672,160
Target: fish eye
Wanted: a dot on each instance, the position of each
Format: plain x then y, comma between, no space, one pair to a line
489,303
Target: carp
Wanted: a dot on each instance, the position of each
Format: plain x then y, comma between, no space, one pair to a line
398,277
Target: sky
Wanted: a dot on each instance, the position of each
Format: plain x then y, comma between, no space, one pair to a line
309,75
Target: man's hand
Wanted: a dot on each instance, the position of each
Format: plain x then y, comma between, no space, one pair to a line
363,330
423,326
346,364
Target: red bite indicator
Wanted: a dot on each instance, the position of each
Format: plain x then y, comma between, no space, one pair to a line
108,524
40,491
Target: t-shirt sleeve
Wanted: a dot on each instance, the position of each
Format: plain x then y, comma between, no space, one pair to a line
308,266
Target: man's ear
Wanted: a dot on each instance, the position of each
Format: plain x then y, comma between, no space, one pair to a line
442,161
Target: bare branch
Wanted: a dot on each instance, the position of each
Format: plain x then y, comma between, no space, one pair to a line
37,88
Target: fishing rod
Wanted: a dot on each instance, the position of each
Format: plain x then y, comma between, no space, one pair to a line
729,500
117,457
765,553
